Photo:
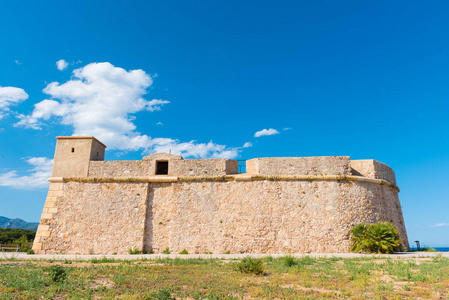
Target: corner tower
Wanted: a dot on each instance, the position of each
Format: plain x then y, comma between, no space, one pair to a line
73,153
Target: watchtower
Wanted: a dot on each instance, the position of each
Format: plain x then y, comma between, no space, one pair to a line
73,153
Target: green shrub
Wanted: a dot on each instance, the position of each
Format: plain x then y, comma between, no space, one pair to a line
375,238
134,251
227,252
289,261
429,250
162,294
23,243
30,252
184,251
57,273
251,265
166,251
8,235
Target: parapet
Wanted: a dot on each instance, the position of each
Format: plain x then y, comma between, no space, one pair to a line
321,165
163,164
373,169
80,156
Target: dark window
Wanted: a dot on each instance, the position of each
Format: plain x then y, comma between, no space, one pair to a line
161,167
73,149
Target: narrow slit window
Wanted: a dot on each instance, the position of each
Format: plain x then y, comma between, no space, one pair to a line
73,150
161,167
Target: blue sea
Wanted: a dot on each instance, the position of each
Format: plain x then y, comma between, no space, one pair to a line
441,249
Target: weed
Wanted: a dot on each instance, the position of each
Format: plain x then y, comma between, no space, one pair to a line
184,251
134,251
227,252
251,265
166,251
57,273
289,261
162,294
30,252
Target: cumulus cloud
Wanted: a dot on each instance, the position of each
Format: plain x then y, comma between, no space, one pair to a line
100,100
264,132
37,178
61,64
192,148
247,145
10,96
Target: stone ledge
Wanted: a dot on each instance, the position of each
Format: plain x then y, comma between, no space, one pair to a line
237,177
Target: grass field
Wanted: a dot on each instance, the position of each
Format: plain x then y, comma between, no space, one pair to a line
282,278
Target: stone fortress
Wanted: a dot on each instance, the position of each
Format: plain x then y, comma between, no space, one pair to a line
280,205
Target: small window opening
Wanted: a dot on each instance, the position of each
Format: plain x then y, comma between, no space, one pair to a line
161,167
97,154
73,150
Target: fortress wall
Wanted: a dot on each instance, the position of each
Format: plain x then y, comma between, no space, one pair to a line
98,218
119,168
213,216
264,216
322,165
201,167
373,169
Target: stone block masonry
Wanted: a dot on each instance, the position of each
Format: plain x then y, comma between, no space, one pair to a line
281,205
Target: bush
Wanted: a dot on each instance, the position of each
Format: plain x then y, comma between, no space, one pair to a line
184,252
251,265
166,251
375,238
57,273
162,294
8,235
23,243
289,261
134,251
30,252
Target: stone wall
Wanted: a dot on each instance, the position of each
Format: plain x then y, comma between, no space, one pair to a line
254,216
321,165
200,167
265,216
373,169
119,168
97,218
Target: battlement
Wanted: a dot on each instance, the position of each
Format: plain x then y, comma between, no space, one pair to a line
84,157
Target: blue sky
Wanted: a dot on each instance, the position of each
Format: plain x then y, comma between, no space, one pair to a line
366,79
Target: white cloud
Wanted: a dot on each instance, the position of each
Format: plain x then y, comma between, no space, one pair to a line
61,64
100,100
286,129
17,62
160,123
441,225
10,96
192,148
247,145
263,132
37,178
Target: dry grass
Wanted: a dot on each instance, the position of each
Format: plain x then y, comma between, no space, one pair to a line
306,278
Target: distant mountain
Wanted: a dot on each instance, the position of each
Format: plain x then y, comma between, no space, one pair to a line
17,224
